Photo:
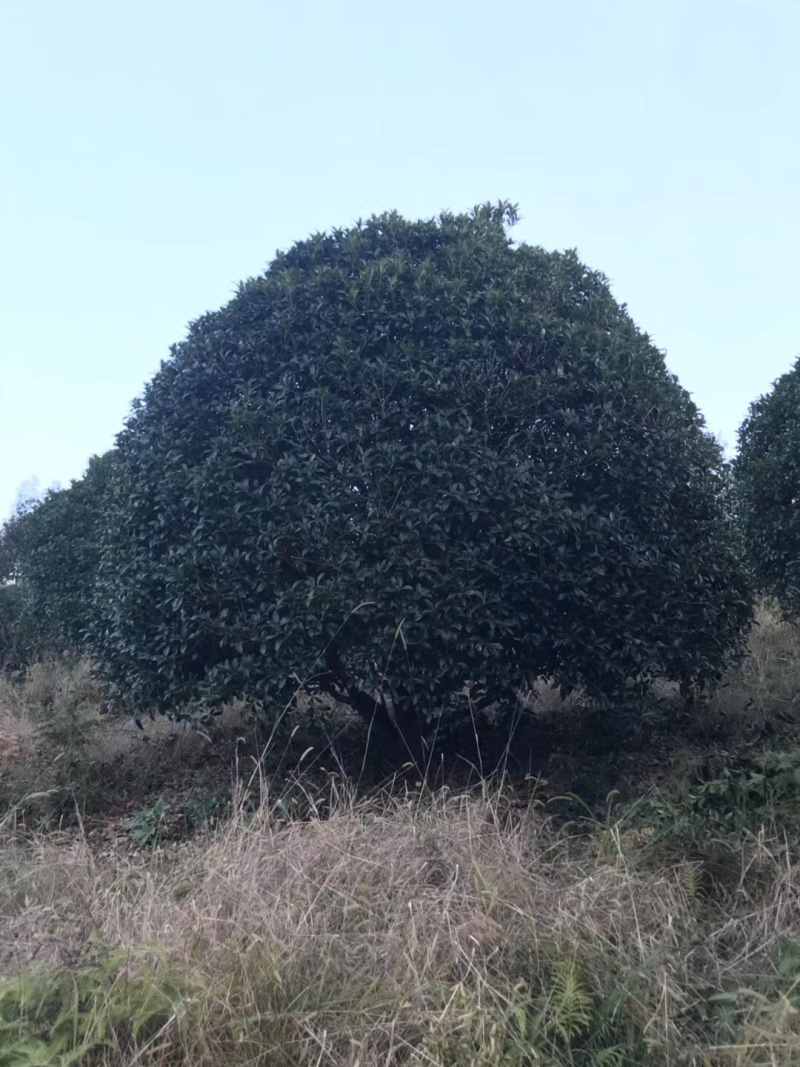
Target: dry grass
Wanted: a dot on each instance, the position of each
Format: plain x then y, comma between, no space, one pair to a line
423,929
443,930
58,749
56,691
767,687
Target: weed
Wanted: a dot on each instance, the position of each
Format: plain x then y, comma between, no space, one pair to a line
61,1017
147,825
720,800
202,808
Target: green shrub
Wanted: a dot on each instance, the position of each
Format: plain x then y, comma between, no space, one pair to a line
414,458
767,490
203,808
711,804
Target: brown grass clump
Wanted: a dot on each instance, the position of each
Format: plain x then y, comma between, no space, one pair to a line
431,931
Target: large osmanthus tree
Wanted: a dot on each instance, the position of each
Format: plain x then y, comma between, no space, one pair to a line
411,462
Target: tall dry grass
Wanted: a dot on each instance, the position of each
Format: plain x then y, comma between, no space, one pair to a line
765,690
439,930
59,750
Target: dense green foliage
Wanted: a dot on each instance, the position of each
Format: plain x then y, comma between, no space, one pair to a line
410,458
52,549
17,644
767,490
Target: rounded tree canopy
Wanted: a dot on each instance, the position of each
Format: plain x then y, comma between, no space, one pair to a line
411,460
767,490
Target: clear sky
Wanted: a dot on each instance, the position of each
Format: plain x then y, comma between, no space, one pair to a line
153,154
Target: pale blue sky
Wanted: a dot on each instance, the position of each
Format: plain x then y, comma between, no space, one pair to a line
155,153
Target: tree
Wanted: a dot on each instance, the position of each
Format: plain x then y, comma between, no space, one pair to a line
414,460
14,637
16,645
54,545
767,490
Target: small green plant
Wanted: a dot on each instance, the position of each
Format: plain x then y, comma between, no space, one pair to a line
60,1017
714,803
557,1020
56,705
65,731
574,1024
202,808
147,825
68,728
730,1014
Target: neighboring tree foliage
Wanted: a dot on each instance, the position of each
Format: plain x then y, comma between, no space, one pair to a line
7,554
413,458
767,490
55,549
16,640
15,645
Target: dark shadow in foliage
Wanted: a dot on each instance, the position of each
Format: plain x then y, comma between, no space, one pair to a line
412,462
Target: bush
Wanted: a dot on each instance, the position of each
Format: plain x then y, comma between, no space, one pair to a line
54,549
409,459
767,490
